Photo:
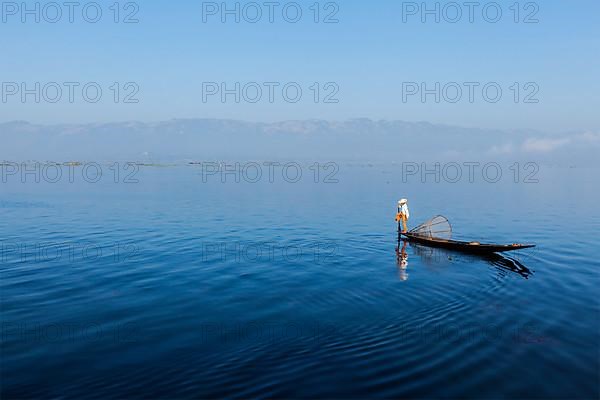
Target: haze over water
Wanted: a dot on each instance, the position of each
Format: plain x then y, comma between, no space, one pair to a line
174,287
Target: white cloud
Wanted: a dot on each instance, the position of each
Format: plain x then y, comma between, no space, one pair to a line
507,148
592,137
544,145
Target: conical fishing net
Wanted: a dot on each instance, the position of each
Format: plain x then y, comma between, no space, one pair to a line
437,227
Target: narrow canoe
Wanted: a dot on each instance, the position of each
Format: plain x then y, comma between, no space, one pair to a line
469,247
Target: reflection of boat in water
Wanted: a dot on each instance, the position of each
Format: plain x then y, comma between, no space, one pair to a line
509,264
437,232
432,256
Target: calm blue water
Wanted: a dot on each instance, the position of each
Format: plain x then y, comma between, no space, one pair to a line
172,287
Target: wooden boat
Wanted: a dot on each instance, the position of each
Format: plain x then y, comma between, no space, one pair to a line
437,232
469,247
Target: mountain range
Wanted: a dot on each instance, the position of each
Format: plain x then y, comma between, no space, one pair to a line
356,139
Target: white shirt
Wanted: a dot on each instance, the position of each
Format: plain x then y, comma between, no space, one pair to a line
404,210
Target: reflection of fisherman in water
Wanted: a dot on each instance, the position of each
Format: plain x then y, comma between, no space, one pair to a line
402,261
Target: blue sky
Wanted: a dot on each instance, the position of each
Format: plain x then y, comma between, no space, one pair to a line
367,55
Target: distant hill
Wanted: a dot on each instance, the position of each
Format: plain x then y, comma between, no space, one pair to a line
357,139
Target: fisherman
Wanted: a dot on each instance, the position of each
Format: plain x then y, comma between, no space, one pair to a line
403,214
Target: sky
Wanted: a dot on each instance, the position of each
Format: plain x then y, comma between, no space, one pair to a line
156,60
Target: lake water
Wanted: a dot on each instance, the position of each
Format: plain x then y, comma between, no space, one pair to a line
175,287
